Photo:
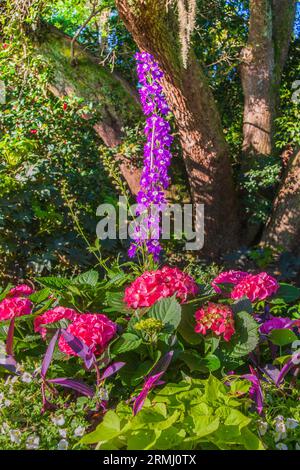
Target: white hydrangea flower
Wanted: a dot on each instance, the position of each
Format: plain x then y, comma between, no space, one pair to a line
63,444
291,423
79,431
281,446
32,442
26,377
58,420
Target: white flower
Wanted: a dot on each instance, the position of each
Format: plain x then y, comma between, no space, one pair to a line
63,444
1,397
58,420
280,428
262,427
79,431
279,436
7,403
15,436
4,428
26,377
281,446
62,432
291,423
103,394
32,442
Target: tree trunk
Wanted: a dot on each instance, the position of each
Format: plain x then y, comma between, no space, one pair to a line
205,152
283,228
270,29
91,82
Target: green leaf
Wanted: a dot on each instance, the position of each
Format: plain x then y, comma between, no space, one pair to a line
115,302
245,338
242,305
194,361
282,337
187,326
107,430
132,374
90,278
204,424
40,296
288,293
168,311
54,282
127,342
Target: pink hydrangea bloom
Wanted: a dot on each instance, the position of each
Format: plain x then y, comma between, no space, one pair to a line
255,287
94,329
20,291
231,277
152,286
53,316
14,307
216,318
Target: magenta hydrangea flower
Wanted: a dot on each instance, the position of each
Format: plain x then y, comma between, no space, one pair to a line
255,287
157,156
14,307
22,290
94,329
228,277
52,316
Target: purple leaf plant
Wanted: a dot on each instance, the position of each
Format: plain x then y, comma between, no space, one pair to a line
84,352
255,391
152,380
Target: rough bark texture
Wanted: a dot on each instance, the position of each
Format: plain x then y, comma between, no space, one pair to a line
283,228
204,148
270,29
115,103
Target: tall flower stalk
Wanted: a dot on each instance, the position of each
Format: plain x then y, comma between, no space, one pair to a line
157,157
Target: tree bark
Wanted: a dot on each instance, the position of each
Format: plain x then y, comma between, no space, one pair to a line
263,59
283,228
91,82
205,152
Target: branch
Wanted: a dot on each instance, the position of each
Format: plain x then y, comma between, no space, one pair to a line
92,15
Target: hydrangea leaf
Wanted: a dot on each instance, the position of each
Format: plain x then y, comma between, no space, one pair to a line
168,311
245,338
126,342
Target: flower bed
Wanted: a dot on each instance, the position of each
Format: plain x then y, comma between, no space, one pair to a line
150,361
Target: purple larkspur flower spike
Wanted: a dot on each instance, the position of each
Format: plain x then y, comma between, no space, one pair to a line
157,156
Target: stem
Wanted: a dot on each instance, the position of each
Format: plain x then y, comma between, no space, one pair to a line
98,375
10,338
